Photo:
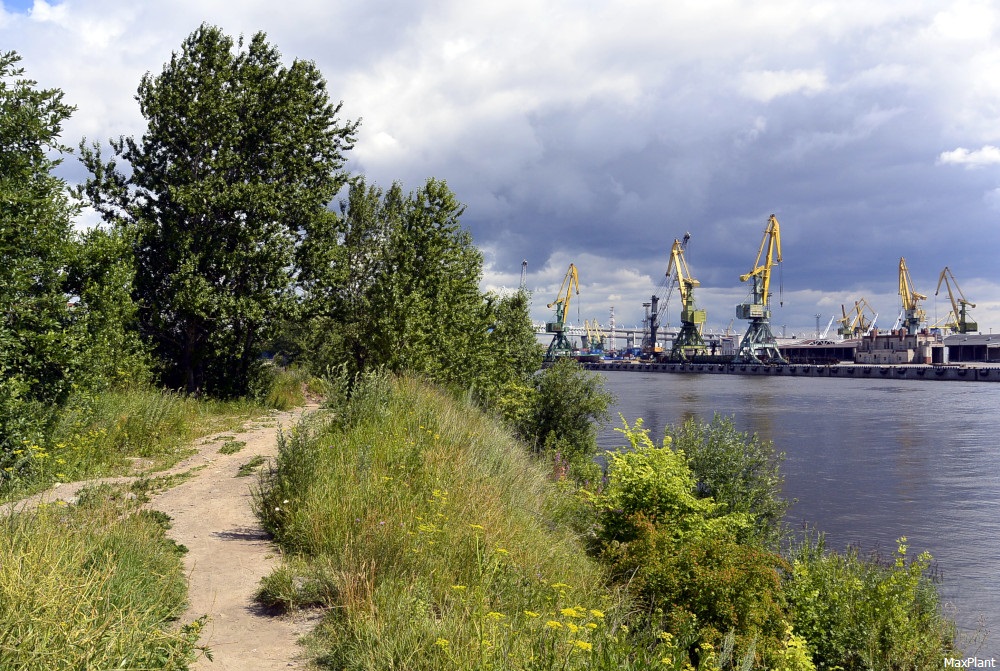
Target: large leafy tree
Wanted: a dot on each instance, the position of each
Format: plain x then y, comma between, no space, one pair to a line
241,156
394,283
37,334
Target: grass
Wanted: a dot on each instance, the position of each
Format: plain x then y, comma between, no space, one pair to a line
97,585
435,542
250,467
232,446
99,435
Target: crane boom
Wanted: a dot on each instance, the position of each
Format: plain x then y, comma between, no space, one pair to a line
762,270
914,315
689,340
560,344
759,344
960,321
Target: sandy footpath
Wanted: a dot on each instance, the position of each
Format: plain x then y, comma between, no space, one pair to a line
228,551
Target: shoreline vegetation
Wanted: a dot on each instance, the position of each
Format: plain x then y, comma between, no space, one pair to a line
447,510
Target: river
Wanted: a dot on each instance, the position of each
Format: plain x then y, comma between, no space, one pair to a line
867,461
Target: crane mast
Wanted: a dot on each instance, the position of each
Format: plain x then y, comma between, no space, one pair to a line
759,344
689,341
959,320
855,323
560,344
913,314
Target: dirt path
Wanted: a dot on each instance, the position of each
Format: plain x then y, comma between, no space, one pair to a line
228,551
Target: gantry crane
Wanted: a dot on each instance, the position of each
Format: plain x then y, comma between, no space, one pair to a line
855,323
560,344
758,344
688,341
913,315
959,320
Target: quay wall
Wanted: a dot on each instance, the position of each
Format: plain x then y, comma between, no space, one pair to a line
849,371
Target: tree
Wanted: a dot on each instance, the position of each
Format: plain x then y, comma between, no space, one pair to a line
567,403
38,340
240,158
394,283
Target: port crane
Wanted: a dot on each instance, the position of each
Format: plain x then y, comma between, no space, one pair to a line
688,341
855,323
758,344
958,320
913,315
560,345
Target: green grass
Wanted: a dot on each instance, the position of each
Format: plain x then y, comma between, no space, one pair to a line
250,467
93,586
232,446
104,434
436,542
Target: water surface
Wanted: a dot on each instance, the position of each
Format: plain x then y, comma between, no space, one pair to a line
867,461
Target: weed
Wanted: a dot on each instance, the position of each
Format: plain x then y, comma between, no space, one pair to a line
248,468
232,446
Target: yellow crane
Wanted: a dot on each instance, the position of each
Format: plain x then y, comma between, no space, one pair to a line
855,323
913,314
688,341
560,344
958,320
758,344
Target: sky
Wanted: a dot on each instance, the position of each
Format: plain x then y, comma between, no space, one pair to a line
595,133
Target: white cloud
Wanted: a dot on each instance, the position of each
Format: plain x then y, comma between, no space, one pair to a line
977,158
766,85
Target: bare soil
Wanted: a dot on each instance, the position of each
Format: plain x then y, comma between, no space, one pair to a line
228,551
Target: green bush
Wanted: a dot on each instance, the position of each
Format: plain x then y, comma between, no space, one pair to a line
738,470
868,612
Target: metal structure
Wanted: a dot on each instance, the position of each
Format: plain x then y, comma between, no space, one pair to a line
688,341
913,315
958,320
560,345
651,324
758,344
856,323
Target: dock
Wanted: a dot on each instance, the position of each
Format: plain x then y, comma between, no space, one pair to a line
944,373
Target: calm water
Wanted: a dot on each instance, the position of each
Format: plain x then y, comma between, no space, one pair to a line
867,462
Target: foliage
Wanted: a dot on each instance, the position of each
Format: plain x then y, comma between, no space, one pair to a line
737,470
105,433
240,158
94,586
563,410
101,276
39,341
435,543
871,612
393,283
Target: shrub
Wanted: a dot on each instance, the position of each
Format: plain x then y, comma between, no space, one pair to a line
871,612
736,469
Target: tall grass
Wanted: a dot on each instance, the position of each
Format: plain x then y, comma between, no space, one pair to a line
94,586
102,434
436,542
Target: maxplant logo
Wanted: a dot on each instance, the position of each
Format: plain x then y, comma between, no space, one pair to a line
970,663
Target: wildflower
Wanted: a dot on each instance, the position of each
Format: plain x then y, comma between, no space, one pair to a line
559,585
596,613
570,612
442,643
572,627
583,645
502,551
495,616
554,624
591,625
459,588
478,527
531,613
